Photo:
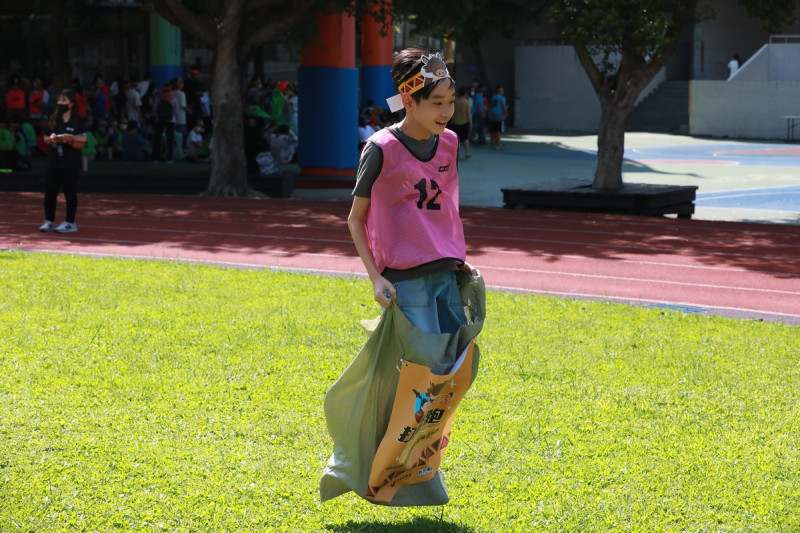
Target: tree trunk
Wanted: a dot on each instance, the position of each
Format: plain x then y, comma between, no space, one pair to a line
610,145
228,166
477,50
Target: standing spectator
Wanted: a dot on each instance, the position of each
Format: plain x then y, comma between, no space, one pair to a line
100,103
291,108
148,111
255,121
255,91
498,111
193,87
80,97
118,99
89,150
478,115
38,101
182,108
133,104
733,65
16,107
145,85
205,106
166,111
461,121
276,105
66,139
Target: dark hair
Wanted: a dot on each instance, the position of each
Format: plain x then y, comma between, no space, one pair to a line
72,96
407,63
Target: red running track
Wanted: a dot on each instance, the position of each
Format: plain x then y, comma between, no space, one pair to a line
733,269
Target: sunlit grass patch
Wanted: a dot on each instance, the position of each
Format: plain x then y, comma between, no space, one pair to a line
149,396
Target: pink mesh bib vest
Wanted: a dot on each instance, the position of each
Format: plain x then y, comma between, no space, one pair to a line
413,214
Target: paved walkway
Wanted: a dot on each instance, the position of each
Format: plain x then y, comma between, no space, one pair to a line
712,264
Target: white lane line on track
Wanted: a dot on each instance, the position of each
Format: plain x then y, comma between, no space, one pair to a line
795,318
473,252
641,280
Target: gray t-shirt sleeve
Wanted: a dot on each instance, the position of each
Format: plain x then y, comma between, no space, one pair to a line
369,167
371,160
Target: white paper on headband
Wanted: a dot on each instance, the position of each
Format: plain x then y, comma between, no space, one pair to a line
395,103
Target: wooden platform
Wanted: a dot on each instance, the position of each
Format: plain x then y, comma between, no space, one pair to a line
571,194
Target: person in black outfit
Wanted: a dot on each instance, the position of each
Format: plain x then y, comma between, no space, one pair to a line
67,135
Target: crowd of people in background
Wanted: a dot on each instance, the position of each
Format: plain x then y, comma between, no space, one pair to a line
139,120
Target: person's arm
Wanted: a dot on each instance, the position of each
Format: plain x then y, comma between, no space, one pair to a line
356,223
76,141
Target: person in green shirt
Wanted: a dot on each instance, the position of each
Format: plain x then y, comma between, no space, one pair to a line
8,152
89,150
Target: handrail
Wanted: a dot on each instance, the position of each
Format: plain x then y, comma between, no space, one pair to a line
784,38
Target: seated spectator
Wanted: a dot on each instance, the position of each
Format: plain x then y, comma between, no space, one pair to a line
377,118
12,147
197,146
29,133
21,143
364,132
283,145
134,146
109,140
9,155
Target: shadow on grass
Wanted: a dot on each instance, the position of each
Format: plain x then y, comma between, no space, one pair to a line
417,525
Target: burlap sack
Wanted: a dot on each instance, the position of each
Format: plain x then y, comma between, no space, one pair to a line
358,407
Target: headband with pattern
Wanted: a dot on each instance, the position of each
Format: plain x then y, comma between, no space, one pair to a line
433,69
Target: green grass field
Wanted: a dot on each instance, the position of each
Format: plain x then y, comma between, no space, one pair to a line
158,396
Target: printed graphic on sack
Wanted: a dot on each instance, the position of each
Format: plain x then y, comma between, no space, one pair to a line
419,426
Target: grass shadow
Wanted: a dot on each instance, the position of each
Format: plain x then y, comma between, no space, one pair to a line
417,525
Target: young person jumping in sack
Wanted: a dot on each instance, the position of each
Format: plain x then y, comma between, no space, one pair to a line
389,414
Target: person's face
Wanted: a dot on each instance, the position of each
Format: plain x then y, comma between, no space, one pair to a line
62,99
433,113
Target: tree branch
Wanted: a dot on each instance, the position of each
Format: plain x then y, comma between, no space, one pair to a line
268,23
194,23
589,66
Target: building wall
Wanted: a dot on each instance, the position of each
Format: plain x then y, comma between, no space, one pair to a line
743,109
774,62
730,31
553,92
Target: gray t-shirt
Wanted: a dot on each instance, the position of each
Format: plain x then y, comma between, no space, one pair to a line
371,161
